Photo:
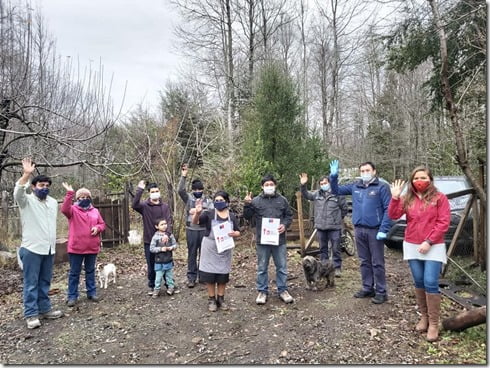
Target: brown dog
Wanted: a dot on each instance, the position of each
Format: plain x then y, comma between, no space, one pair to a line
315,271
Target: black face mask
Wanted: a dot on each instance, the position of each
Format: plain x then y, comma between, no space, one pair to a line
84,203
220,206
197,194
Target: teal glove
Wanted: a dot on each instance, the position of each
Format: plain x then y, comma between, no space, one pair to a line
334,167
380,235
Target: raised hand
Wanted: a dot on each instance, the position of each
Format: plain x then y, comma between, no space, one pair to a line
142,184
396,188
67,187
198,206
334,167
248,197
303,178
185,169
27,166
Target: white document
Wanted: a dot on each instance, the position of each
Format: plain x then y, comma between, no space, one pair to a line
223,240
269,233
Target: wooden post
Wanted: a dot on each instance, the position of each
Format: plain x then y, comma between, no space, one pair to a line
300,223
482,224
5,217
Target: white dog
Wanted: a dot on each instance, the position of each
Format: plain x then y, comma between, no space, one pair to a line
104,274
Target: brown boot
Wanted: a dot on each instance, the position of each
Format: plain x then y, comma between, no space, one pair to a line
422,304
434,310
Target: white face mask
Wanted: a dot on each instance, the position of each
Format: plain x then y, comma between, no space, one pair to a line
269,190
155,195
366,178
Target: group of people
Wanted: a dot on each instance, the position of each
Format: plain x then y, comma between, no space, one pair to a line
374,205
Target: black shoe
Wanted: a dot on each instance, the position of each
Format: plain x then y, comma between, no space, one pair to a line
379,299
364,294
221,303
71,302
191,284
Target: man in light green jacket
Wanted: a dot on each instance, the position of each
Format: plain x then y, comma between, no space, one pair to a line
38,212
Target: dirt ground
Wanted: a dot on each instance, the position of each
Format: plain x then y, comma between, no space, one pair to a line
129,327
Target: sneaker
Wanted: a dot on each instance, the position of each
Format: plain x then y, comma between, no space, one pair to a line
379,299
170,291
286,298
338,272
364,294
191,284
212,305
71,302
93,298
150,291
155,293
33,322
261,298
52,314
221,303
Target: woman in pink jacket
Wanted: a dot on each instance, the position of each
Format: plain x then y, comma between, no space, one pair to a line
85,225
428,216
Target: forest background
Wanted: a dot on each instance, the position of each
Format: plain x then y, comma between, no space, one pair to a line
276,86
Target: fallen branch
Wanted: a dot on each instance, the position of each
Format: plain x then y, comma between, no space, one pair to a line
467,319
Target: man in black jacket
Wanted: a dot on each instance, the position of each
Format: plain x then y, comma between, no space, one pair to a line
273,216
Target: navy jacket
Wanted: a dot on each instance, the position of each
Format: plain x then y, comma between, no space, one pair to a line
369,203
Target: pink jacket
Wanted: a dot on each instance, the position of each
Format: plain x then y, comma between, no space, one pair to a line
423,223
80,221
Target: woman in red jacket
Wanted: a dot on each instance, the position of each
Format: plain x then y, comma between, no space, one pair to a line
85,225
428,215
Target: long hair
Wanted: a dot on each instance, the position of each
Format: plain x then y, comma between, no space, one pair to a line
427,196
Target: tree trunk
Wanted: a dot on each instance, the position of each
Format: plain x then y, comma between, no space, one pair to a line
462,157
467,319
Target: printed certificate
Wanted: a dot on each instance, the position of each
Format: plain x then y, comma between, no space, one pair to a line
223,240
269,233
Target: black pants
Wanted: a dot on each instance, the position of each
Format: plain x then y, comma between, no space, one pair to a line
194,240
150,264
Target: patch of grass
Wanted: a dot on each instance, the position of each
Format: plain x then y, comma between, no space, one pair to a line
454,273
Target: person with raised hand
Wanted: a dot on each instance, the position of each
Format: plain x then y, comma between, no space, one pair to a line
38,213
85,224
329,211
428,215
370,200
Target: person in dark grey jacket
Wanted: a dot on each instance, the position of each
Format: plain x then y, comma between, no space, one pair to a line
193,232
274,208
329,211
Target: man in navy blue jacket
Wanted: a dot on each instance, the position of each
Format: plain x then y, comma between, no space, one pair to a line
370,200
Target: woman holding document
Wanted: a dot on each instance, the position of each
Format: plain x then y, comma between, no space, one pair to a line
216,248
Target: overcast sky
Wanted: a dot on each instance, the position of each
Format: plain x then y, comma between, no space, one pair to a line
133,38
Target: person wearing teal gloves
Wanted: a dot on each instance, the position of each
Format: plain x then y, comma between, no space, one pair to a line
370,200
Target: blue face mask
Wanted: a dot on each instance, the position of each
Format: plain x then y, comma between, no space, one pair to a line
41,193
220,206
366,178
197,194
85,203
325,187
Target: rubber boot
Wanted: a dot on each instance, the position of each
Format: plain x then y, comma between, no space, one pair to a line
422,304
434,310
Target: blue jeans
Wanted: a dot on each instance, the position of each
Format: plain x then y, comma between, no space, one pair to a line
75,271
332,236
426,274
37,272
150,266
371,253
166,275
279,254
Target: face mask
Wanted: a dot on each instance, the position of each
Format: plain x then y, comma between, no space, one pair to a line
198,194
421,185
84,203
325,187
41,193
366,178
220,206
155,195
269,190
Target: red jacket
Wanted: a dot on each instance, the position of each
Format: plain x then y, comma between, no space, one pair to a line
423,223
80,221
